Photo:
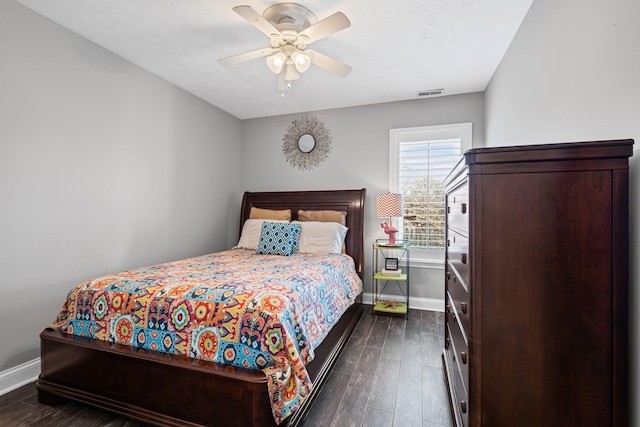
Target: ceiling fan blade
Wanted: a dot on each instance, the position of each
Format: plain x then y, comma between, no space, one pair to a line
334,23
247,56
329,64
257,20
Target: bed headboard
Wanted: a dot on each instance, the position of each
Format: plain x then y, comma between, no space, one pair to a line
350,201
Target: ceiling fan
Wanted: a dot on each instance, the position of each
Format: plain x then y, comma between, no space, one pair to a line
291,28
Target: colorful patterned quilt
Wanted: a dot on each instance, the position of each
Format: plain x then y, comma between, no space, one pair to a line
236,307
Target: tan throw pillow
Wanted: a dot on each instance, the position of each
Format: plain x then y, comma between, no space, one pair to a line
259,213
323,216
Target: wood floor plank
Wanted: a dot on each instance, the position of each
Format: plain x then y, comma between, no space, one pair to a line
392,349
378,332
441,321
376,418
21,393
431,347
430,323
352,419
408,409
326,405
354,401
407,413
440,317
350,356
408,405
363,329
17,413
385,385
435,401
411,365
415,313
413,329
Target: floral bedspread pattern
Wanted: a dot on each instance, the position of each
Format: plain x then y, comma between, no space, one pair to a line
236,307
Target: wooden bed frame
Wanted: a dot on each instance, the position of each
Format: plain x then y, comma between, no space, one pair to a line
169,390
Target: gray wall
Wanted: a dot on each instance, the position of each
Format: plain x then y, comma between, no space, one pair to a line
359,158
103,167
572,74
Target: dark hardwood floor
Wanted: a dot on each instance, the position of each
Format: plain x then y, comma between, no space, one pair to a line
390,374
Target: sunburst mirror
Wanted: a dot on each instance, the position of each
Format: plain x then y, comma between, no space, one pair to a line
306,143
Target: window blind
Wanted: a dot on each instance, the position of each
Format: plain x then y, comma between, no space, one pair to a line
422,168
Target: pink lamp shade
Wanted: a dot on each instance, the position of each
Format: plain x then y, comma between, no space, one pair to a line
389,205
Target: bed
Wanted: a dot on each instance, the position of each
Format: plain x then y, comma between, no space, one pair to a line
176,390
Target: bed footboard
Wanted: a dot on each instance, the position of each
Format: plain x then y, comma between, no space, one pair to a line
169,390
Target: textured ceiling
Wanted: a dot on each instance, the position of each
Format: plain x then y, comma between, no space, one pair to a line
396,48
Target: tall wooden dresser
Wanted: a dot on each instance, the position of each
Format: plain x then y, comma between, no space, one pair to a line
537,286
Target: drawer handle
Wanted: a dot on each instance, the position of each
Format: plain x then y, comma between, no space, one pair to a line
463,357
448,209
448,242
464,208
463,258
463,307
448,275
463,407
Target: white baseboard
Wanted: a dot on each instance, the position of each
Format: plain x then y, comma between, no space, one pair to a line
417,303
18,376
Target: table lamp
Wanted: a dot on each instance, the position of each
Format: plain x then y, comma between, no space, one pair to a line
389,205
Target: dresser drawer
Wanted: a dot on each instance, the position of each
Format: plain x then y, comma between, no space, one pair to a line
458,254
460,348
458,209
459,296
457,384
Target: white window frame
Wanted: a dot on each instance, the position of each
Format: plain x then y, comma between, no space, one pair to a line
430,258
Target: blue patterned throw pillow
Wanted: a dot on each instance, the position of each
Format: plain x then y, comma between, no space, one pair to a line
279,238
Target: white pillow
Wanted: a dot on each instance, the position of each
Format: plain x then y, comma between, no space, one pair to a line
250,237
321,237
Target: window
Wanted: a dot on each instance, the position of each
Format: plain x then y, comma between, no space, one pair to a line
420,160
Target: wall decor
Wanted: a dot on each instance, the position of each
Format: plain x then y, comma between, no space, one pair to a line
307,142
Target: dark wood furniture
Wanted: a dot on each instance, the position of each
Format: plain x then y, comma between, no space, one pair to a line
537,286
170,390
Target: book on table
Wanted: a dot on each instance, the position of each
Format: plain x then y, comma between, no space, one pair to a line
386,272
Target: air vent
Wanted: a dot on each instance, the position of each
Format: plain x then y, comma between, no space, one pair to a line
431,92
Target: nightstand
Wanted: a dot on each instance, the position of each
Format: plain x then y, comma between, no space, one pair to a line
391,268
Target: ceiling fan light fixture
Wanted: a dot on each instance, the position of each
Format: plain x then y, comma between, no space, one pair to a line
290,71
276,61
283,84
291,28
301,61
